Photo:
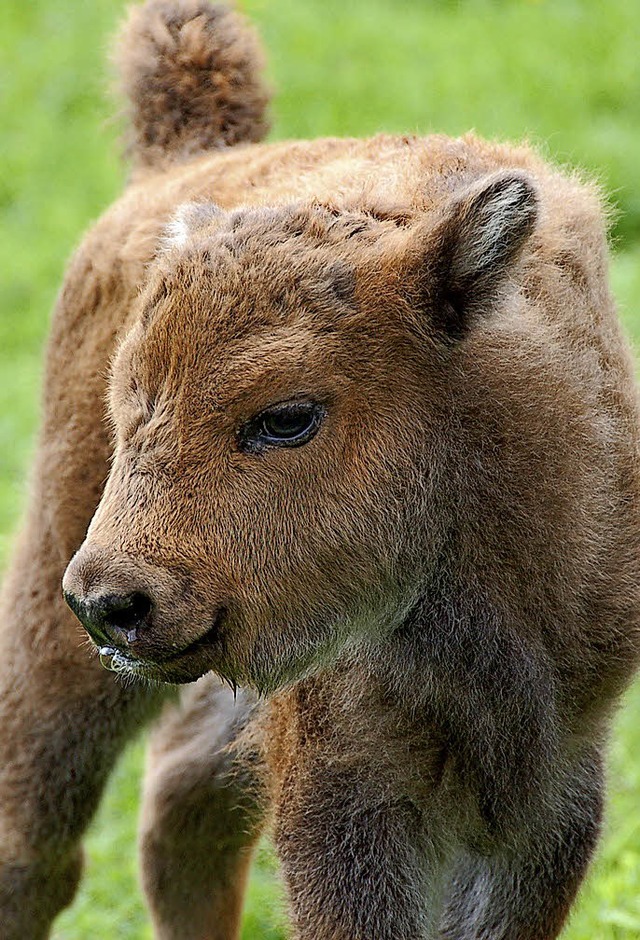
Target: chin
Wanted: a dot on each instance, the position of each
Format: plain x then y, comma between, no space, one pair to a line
175,671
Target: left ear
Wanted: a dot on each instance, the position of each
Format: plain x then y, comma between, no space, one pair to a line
474,246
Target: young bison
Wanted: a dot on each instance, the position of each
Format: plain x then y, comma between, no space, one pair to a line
371,456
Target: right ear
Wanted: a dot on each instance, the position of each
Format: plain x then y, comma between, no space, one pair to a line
469,253
189,218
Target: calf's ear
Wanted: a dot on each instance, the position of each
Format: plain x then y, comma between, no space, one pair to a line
473,247
189,218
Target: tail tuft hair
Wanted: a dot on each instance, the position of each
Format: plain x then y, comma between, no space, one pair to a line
192,74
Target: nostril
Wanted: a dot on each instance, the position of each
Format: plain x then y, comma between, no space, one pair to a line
127,613
111,618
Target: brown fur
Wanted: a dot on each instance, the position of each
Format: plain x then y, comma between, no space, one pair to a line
438,595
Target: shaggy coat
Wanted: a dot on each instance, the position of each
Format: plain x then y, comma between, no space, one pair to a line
371,456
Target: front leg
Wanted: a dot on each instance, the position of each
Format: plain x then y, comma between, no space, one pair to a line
353,870
355,841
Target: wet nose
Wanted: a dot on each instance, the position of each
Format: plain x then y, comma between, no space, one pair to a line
112,619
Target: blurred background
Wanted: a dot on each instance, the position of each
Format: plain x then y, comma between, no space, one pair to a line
562,73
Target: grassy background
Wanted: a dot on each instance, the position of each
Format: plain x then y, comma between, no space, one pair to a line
564,73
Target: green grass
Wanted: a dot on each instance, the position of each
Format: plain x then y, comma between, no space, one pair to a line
565,73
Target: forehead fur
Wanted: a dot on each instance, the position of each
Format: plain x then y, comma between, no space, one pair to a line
280,256
196,225
276,288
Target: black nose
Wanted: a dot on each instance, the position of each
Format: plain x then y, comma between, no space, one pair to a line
112,619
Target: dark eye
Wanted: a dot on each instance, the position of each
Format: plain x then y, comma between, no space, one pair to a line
290,424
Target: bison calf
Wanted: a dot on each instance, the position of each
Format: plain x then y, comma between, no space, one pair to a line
371,457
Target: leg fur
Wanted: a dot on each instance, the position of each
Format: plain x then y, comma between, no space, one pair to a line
201,815
356,868
360,843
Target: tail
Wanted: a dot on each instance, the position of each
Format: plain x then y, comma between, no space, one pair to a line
191,72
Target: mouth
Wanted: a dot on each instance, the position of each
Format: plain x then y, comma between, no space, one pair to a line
186,665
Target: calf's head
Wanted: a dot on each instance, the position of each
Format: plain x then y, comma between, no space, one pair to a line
281,408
